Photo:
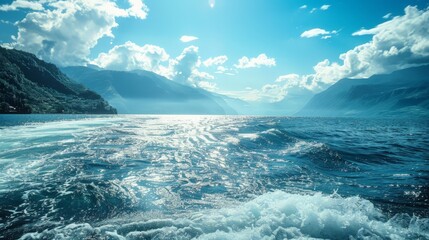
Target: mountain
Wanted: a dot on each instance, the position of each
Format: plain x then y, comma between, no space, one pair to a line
30,85
146,92
402,93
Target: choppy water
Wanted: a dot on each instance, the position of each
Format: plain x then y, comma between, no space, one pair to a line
212,177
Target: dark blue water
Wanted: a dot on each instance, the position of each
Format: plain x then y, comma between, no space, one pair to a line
212,177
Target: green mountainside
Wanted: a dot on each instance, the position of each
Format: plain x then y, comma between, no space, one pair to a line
30,85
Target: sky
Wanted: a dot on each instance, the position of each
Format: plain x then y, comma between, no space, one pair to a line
254,50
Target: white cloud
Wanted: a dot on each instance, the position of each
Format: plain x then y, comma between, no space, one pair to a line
288,78
313,10
138,9
209,86
303,7
186,38
130,56
64,32
393,47
184,68
261,60
315,32
198,76
226,71
22,4
325,7
185,64
215,61
364,32
387,16
222,69
218,62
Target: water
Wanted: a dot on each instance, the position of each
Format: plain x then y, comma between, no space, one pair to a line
212,177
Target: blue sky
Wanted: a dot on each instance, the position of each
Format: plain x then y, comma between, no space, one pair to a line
231,28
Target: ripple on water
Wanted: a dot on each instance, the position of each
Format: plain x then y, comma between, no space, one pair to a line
212,177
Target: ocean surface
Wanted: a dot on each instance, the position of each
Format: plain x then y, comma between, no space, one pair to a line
212,177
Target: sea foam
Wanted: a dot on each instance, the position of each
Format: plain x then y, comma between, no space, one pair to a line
274,215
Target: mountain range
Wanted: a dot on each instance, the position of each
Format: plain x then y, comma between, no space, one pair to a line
403,93
143,92
30,85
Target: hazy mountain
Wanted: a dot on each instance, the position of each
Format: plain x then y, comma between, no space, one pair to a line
402,93
146,92
30,85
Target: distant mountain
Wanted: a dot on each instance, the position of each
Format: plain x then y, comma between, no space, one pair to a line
146,92
30,85
402,93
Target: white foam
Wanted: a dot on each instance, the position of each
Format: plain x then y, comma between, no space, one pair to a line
251,136
272,131
276,215
302,147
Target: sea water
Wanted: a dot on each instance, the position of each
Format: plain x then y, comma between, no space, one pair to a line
212,177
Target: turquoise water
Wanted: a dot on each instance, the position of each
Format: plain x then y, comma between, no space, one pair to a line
212,177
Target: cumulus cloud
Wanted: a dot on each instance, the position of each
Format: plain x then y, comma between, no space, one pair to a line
185,64
184,68
392,47
325,7
63,32
186,38
138,9
303,7
131,56
257,62
22,4
288,78
215,61
315,32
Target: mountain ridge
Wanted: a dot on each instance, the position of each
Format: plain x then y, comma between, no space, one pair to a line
402,93
30,85
143,92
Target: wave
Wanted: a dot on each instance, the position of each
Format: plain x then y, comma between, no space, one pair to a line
176,177
274,215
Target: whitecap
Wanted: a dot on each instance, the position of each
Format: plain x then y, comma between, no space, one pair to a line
275,215
301,147
251,136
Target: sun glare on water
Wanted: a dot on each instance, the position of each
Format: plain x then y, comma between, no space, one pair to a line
212,3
